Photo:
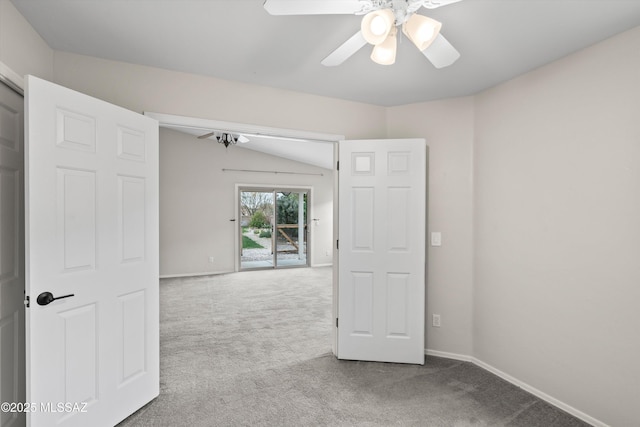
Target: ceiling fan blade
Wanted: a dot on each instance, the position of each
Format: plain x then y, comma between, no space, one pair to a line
206,135
441,53
432,4
343,52
314,7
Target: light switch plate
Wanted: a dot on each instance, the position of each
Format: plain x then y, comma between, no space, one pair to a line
436,238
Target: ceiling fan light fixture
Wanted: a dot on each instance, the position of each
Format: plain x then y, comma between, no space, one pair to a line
421,30
385,52
377,25
226,139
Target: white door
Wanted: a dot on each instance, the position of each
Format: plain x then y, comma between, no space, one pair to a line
11,255
92,240
381,268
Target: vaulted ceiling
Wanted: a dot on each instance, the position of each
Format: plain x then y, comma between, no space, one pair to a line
238,40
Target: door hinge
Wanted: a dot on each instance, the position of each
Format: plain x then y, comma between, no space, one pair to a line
336,322
26,301
337,244
338,165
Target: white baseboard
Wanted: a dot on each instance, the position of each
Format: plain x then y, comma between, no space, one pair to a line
209,273
455,356
321,265
538,393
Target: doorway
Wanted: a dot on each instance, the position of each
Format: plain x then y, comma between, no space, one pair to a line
273,228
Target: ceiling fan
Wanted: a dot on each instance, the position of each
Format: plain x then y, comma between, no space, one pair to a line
379,27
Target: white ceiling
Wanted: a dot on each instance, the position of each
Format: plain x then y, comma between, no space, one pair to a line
238,40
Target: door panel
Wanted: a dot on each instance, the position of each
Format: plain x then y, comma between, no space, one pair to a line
131,218
80,354
12,369
92,234
381,277
131,317
76,214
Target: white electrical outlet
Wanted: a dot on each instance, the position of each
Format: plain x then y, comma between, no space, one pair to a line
211,259
436,320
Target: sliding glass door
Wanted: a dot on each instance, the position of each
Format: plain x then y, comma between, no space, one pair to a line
273,228
256,228
291,228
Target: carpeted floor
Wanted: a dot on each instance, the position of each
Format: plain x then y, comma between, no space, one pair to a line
254,349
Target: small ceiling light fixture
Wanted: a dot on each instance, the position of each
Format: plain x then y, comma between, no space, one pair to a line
377,25
385,52
421,30
227,139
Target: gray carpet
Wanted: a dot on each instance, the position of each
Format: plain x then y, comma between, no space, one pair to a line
254,349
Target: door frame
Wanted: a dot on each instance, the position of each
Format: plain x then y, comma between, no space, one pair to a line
176,121
273,189
11,79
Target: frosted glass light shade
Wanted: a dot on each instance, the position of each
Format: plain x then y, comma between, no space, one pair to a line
377,25
421,30
385,52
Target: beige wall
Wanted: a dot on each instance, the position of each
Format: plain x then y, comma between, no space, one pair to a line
534,185
197,200
447,127
21,47
142,88
557,229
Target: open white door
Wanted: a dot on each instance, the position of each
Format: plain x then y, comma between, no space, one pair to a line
381,278
11,255
91,240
